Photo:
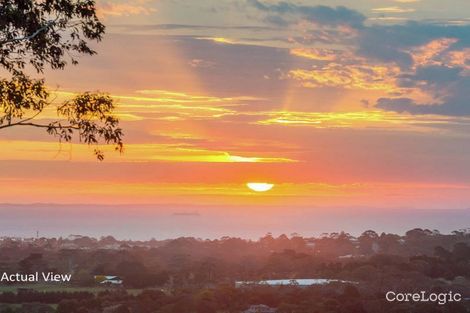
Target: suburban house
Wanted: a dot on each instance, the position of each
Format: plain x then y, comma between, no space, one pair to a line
108,280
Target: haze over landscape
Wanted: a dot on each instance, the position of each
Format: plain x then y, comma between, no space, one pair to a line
140,222
347,115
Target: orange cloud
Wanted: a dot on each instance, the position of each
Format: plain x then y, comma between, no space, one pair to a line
354,76
134,152
128,8
221,40
316,53
459,58
429,53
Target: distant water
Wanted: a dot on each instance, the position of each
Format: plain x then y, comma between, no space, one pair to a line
164,222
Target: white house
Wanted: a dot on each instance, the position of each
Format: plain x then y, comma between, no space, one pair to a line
108,280
291,282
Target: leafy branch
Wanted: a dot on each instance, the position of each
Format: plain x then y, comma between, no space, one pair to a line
52,33
29,37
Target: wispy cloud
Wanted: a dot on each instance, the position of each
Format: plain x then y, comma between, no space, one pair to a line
124,8
222,40
200,63
316,53
393,9
284,13
43,150
362,120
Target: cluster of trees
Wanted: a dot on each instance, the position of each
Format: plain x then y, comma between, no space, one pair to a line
225,298
51,297
199,275
420,254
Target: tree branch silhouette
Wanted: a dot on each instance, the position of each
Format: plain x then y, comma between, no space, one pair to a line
36,33
52,33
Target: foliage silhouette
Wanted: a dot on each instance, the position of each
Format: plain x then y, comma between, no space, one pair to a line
52,33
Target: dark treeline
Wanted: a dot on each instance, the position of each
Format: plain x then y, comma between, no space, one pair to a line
43,297
226,298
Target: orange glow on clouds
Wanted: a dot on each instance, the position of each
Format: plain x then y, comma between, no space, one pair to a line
37,150
315,54
368,77
319,194
301,119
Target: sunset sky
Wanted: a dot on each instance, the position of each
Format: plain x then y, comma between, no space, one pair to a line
335,103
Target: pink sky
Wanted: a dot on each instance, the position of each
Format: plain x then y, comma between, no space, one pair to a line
213,95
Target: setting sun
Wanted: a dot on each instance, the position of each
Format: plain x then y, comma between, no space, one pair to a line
260,187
